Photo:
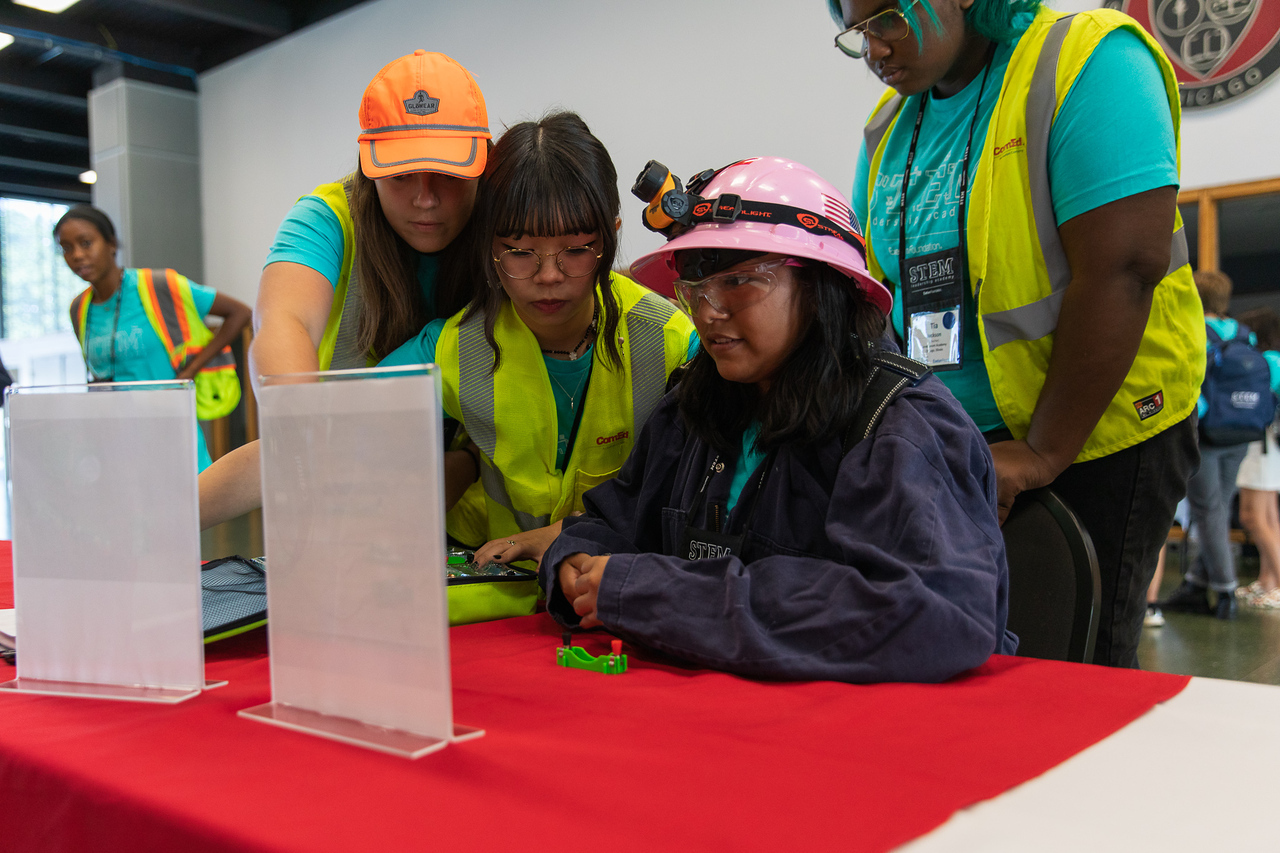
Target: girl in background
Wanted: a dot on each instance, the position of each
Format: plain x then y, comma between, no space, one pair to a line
119,342
1259,478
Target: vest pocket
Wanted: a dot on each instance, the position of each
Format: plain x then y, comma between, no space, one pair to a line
582,481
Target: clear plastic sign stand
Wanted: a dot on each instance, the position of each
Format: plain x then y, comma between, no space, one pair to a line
353,515
106,541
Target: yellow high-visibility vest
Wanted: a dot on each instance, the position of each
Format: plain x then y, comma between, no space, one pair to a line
511,415
171,309
339,348
1018,270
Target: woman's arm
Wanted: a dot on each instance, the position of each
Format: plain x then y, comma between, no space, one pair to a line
292,310
293,307
235,316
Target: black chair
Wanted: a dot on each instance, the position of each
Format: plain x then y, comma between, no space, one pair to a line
1055,591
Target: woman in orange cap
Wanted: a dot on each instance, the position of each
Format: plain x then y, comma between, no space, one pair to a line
361,265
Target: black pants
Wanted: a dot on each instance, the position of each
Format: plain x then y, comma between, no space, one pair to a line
1126,502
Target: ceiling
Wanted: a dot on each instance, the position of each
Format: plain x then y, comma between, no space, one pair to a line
46,74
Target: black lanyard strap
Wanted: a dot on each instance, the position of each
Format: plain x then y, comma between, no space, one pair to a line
964,184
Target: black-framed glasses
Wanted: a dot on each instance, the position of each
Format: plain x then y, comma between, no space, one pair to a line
889,25
573,261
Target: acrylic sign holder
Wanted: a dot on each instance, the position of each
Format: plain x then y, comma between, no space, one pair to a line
353,515
106,541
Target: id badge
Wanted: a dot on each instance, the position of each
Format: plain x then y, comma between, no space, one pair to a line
932,304
934,337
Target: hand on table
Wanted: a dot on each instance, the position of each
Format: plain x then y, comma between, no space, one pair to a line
528,545
1018,469
580,576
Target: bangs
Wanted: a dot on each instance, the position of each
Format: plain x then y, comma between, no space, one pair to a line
543,201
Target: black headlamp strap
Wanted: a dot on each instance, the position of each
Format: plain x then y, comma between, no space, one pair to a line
732,208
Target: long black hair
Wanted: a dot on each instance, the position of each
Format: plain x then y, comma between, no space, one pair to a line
546,178
815,393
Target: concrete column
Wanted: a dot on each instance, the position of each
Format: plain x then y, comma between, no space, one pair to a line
144,145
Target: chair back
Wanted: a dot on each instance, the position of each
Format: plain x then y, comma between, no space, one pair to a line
1055,591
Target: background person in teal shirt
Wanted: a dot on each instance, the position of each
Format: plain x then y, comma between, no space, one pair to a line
120,344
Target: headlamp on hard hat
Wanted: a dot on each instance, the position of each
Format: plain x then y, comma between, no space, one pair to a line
672,209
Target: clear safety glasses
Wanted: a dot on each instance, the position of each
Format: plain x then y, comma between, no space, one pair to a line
573,261
731,291
889,25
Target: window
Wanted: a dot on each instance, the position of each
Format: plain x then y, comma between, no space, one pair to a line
36,287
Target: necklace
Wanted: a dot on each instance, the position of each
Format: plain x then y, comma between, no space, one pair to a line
573,353
573,397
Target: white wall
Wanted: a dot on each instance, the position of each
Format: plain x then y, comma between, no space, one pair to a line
693,83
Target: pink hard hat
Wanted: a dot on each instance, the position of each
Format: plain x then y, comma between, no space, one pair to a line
806,206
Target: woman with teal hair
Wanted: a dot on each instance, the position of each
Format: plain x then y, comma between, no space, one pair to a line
1037,255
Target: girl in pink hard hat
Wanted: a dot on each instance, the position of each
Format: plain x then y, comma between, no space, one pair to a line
806,503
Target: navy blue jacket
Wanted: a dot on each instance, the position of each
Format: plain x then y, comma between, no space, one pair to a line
887,565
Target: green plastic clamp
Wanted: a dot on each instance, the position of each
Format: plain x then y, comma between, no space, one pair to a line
576,657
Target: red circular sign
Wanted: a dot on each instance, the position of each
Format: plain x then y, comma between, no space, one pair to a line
1220,49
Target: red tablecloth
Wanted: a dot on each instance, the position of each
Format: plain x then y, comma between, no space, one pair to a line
658,758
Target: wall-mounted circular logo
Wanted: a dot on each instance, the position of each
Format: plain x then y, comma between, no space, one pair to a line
1220,49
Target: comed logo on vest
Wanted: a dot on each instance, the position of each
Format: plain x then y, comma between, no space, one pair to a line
610,439
1015,144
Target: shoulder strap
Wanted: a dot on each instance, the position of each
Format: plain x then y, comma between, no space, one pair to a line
890,373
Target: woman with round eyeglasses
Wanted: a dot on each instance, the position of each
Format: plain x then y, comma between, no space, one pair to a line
1038,259
805,504
556,362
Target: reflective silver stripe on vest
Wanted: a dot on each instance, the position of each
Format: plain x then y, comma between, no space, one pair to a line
879,125
169,314
1179,253
347,354
1034,321
645,323
475,384
475,396
495,488
168,311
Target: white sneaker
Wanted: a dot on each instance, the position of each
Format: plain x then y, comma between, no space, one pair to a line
1154,618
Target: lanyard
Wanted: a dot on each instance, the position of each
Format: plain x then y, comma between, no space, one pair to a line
115,326
964,181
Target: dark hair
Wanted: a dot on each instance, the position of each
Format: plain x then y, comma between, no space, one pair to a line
392,309
1265,323
998,20
816,391
96,218
546,178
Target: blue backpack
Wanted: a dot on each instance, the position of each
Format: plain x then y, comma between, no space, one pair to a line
1237,389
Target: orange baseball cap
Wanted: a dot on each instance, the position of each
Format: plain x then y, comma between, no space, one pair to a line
423,113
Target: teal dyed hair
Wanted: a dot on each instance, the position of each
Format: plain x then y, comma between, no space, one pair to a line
998,20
